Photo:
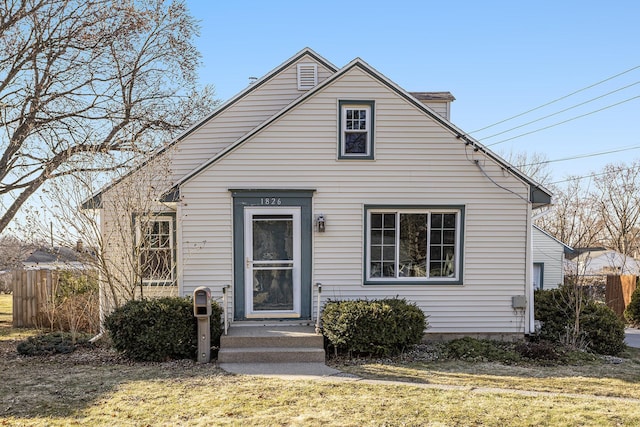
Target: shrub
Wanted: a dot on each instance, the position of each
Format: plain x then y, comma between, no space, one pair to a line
599,331
603,329
159,329
538,352
632,312
51,343
373,327
475,350
73,307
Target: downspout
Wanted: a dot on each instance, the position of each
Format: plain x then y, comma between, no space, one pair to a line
101,298
528,286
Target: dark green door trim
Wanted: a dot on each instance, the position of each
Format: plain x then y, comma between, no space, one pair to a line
264,198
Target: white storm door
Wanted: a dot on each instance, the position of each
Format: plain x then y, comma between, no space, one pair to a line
272,262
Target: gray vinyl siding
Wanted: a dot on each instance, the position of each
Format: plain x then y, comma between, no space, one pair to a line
550,252
416,162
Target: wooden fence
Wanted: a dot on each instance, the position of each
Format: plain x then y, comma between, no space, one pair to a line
618,292
31,291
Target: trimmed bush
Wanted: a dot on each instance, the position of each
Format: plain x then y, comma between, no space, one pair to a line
373,327
600,329
632,312
159,329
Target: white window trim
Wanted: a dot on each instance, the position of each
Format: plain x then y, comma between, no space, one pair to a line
430,210
369,106
172,248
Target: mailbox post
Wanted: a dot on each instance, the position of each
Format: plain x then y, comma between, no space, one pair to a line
202,312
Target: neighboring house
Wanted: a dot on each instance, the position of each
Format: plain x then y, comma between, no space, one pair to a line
601,261
57,258
548,260
315,175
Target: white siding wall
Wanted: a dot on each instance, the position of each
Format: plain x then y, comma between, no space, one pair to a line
235,121
442,108
549,252
417,162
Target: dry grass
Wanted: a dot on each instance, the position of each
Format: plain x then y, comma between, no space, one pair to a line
95,387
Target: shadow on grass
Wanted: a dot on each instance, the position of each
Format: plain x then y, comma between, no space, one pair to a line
64,385
606,377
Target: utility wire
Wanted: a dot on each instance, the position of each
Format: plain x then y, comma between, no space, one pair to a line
557,99
560,112
582,156
564,121
593,175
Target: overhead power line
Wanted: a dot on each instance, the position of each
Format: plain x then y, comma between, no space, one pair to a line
582,156
593,175
560,112
564,121
556,100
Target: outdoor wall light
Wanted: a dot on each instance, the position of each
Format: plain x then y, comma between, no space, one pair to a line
320,223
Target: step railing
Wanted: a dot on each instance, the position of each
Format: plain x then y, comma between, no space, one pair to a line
225,307
318,287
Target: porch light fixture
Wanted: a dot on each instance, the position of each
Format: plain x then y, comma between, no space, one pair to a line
320,223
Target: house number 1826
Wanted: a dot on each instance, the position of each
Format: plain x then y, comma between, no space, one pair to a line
270,201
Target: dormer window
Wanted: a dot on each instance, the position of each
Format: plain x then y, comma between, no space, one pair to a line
307,75
356,130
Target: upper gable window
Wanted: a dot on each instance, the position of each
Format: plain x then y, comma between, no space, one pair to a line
356,130
307,75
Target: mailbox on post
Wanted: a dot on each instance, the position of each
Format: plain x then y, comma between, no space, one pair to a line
202,302
202,312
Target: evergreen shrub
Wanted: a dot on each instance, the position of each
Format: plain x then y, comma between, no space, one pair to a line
51,343
160,329
373,327
600,330
632,312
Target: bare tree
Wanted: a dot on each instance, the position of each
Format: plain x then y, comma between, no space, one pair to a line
12,252
130,243
534,165
82,81
618,204
574,218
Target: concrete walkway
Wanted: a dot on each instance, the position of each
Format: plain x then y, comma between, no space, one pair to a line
282,370
320,370
632,337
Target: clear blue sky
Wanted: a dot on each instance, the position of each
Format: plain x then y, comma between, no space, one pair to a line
498,58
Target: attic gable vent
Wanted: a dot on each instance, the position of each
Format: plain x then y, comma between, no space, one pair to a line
307,75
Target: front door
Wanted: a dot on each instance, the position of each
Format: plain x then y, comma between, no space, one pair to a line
272,250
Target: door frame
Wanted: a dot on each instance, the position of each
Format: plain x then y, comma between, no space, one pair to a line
259,198
249,213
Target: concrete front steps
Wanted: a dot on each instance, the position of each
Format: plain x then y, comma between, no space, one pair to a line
282,342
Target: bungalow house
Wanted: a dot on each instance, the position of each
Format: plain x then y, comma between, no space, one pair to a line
548,259
320,183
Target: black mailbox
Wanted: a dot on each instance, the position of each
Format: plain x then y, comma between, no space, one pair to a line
202,302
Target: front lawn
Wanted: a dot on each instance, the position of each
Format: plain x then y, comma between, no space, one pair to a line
96,387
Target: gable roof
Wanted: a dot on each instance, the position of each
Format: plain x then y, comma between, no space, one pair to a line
539,196
568,250
598,261
95,201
